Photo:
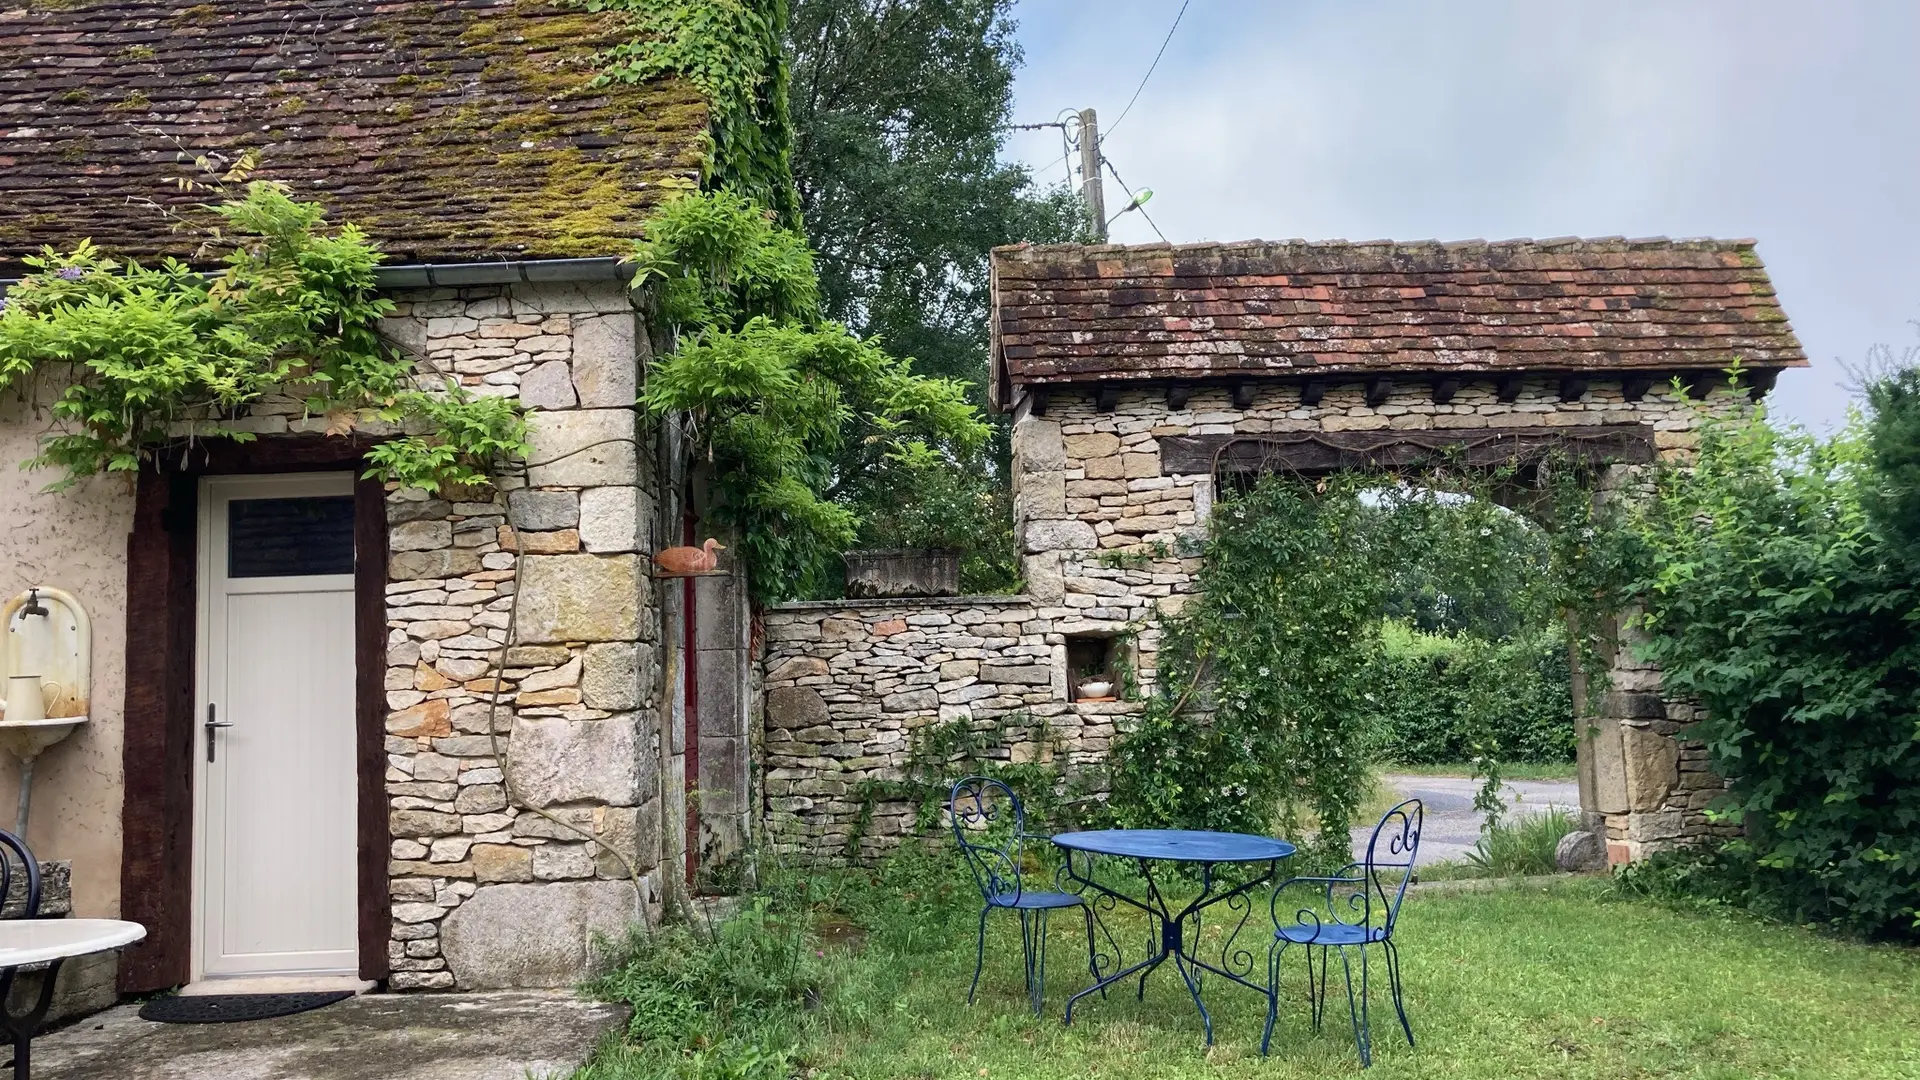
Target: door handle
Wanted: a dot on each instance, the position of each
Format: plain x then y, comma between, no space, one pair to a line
213,729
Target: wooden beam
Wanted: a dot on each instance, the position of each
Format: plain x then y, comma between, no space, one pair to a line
1507,388
1635,387
1322,452
1178,396
1105,397
1573,387
1312,391
1444,388
1379,388
1243,395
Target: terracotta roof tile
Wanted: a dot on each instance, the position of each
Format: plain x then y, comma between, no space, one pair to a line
451,130
1075,313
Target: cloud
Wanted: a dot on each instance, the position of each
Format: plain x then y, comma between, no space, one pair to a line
1787,122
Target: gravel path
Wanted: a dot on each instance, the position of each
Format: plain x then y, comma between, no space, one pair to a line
1452,825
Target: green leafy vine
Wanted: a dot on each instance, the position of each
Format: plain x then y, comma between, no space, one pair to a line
1261,715
149,356
1052,795
731,50
782,406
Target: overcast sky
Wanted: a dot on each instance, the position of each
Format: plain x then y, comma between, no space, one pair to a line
1793,122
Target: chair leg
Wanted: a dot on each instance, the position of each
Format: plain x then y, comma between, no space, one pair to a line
1275,953
1040,969
1393,979
1357,1010
1026,950
979,953
1317,996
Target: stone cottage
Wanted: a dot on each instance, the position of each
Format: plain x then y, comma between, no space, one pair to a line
1139,378
304,685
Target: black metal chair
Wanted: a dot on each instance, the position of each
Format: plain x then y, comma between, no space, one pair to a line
20,1028
1352,910
989,827
18,849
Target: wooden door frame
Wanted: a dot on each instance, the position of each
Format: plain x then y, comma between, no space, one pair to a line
156,861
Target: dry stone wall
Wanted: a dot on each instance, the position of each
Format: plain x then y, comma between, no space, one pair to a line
1109,537
850,683
490,892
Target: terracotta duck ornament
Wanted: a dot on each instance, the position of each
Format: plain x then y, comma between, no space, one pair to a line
686,561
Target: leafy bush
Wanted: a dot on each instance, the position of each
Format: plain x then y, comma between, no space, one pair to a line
686,986
793,415
1516,846
1779,593
1263,715
945,503
1436,695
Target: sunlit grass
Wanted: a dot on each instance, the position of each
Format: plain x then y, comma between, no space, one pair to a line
1562,980
1519,982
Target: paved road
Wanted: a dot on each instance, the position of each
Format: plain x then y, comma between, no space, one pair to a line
1452,825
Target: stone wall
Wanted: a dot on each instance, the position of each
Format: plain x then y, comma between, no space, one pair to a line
1089,483
850,682
1109,537
487,893
1645,783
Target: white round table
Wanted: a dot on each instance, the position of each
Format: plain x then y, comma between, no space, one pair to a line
49,941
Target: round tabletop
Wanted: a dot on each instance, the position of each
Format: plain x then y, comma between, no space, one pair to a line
1178,845
35,941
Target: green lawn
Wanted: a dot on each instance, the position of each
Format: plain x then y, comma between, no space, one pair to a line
1557,981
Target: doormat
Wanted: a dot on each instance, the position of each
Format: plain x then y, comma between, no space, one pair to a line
230,1008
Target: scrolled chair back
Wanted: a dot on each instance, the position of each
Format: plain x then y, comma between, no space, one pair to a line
16,848
988,827
1363,894
1390,856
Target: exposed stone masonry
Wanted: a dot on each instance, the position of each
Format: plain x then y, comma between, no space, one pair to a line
1108,538
571,716
849,683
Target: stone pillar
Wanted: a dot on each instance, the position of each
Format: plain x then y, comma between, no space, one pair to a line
721,630
521,777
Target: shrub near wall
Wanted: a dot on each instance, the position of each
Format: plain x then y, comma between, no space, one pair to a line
1779,575
1428,687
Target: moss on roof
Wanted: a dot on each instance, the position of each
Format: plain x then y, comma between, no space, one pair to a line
451,130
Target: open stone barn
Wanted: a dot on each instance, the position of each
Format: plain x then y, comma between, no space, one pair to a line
1137,377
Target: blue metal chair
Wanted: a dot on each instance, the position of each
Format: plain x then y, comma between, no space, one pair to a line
1353,909
989,828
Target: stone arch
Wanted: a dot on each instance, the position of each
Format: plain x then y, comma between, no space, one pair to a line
1135,375
1131,374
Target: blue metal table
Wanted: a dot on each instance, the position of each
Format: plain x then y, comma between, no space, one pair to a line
1178,932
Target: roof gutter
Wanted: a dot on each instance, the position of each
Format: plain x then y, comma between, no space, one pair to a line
508,272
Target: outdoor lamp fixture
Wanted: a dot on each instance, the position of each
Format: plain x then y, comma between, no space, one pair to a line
1139,201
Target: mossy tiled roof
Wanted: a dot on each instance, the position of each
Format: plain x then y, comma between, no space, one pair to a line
451,130
1077,313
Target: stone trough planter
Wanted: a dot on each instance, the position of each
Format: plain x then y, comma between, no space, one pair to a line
889,572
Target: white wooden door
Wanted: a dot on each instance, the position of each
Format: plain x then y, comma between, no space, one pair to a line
274,843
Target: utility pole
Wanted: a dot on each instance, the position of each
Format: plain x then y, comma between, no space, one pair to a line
1090,189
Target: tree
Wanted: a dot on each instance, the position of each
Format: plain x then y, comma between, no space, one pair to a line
900,110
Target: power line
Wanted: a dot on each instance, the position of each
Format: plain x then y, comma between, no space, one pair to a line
1136,204
1150,68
